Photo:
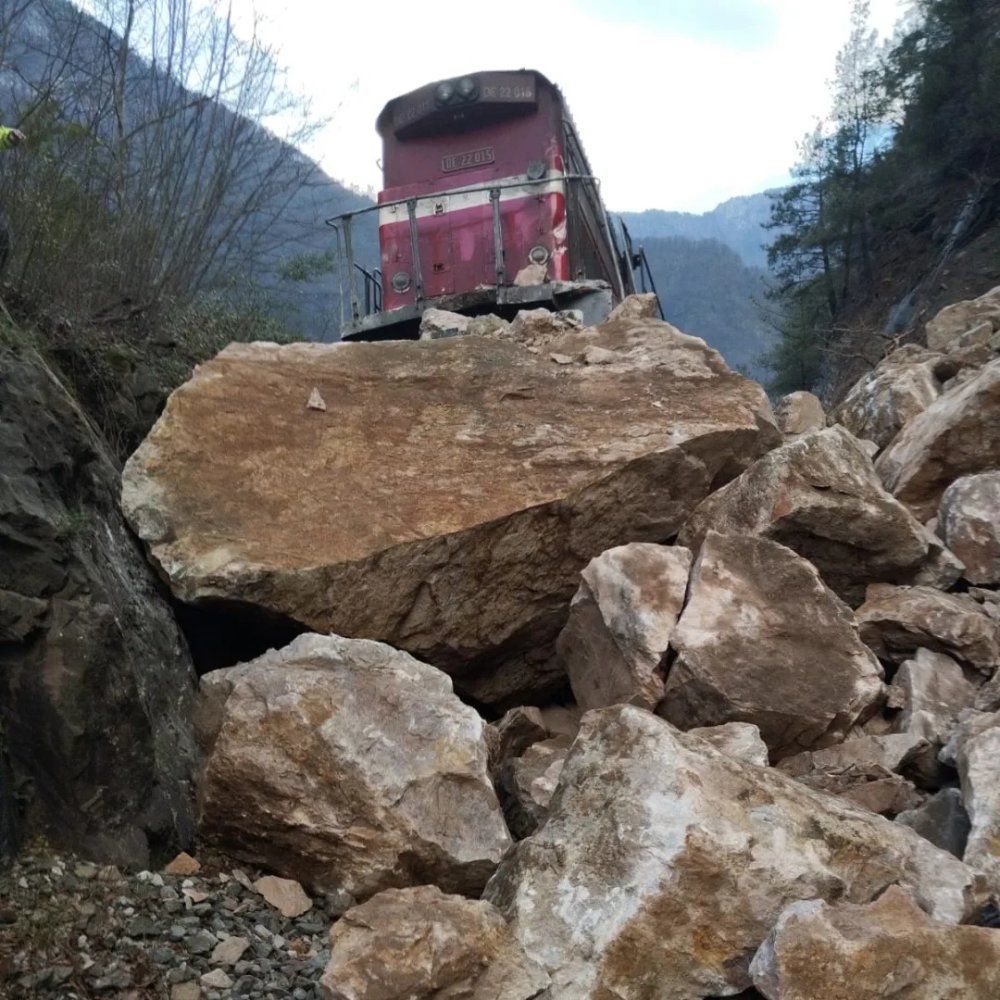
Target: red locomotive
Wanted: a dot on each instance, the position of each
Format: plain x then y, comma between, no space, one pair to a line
489,205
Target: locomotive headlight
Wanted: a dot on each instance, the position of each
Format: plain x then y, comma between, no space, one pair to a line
538,255
444,92
468,89
535,170
400,282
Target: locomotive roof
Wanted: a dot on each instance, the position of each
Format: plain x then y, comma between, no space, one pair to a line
382,123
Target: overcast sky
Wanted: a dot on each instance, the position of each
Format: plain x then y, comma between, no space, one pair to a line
680,103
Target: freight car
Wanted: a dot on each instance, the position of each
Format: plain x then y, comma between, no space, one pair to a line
488,205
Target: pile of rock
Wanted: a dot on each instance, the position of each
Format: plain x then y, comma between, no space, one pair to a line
779,770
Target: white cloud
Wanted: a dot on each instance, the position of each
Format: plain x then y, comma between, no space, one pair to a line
668,121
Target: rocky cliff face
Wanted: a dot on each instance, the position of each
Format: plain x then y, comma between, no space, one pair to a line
781,773
96,683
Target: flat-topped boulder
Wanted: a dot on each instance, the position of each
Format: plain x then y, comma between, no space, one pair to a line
449,494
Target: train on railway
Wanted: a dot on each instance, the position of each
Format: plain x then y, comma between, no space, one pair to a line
488,205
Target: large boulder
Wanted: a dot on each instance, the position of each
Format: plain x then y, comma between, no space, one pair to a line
880,403
763,640
819,495
349,766
664,863
969,522
615,642
451,492
897,621
96,681
957,435
955,321
422,944
887,948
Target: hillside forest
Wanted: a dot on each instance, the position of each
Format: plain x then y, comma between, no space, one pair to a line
894,206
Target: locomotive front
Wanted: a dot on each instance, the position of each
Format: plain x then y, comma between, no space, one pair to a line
488,205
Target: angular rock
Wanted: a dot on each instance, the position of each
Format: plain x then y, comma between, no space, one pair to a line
988,696
562,720
513,734
799,413
931,690
738,739
866,770
897,621
952,322
941,569
971,723
664,863
887,948
216,980
978,759
421,944
882,402
942,820
438,323
96,681
762,640
284,894
620,620
183,864
989,599
348,766
957,435
819,495
527,784
341,522
969,522
641,305
229,951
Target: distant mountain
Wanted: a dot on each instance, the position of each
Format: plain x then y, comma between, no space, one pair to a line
737,223
707,291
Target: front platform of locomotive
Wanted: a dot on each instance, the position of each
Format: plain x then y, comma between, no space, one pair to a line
487,207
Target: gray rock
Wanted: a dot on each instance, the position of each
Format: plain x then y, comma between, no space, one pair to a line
942,819
97,681
201,943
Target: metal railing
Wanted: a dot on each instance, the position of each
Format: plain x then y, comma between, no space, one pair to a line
343,226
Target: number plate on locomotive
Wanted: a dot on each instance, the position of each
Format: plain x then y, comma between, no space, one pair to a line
466,161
